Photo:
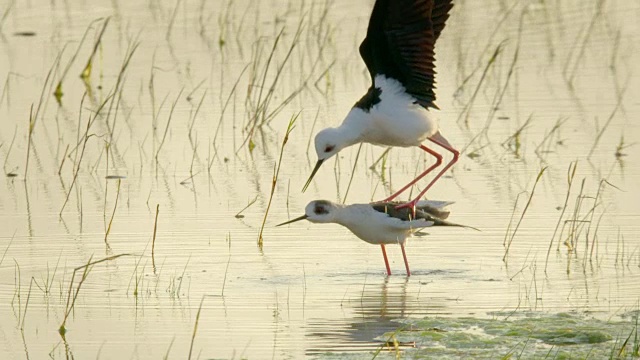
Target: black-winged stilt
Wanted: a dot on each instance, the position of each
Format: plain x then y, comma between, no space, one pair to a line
380,223
397,109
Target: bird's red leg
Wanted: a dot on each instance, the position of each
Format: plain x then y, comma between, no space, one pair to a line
456,154
406,263
438,162
386,262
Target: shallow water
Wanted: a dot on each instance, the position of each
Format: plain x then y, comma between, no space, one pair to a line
312,290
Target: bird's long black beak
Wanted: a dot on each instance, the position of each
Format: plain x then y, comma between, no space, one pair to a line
294,220
315,170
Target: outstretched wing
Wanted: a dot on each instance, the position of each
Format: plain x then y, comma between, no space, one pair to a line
400,43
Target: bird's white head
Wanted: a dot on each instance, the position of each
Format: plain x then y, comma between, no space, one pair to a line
318,211
321,211
329,142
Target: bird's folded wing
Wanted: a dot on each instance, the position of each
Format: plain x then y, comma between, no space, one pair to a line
437,204
397,224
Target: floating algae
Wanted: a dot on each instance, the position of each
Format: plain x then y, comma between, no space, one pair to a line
529,335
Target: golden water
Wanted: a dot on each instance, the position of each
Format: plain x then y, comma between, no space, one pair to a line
311,288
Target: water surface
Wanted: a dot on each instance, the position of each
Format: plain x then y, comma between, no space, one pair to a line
193,125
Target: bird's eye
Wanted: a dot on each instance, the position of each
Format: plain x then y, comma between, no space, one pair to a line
329,148
320,210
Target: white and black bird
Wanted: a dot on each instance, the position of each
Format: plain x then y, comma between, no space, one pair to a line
397,110
380,223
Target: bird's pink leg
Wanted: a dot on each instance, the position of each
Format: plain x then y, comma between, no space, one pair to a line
386,262
406,263
438,162
456,154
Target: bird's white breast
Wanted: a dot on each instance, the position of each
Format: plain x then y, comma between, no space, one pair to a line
397,120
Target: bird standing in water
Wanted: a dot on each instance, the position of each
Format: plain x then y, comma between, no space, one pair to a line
380,223
397,110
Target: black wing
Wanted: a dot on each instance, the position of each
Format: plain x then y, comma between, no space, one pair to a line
425,212
400,43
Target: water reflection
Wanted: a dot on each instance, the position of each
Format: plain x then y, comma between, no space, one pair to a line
373,311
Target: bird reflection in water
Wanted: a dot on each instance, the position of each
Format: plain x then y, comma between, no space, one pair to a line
370,313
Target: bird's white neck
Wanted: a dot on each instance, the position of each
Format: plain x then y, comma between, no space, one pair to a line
352,130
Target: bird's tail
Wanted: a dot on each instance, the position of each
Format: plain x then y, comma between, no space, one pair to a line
449,223
440,221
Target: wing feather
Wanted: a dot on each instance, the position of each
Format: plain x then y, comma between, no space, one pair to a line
400,43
